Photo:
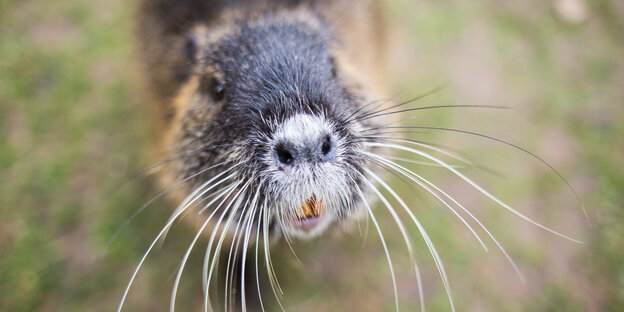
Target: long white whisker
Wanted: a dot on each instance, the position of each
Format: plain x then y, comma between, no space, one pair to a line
246,245
500,247
188,251
408,242
233,243
428,241
288,240
238,199
267,257
261,212
181,209
576,195
163,192
195,195
422,163
213,261
477,187
433,148
383,243
229,190
394,166
234,249
237,238
268,250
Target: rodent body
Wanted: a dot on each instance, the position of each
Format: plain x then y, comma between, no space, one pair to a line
259,109
276,58
270,117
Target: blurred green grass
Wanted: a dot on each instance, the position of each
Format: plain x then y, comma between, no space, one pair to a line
71,132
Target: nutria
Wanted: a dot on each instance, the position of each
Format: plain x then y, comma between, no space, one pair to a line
262,104
269,115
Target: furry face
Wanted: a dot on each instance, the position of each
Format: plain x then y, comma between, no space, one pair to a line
273,132
267,103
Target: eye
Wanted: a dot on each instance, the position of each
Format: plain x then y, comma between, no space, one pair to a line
218,90
213,87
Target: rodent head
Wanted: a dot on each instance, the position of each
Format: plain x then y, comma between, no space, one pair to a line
267,109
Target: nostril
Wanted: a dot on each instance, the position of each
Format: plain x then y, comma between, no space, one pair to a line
283,155
327,145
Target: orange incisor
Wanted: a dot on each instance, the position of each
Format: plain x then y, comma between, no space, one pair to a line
311,208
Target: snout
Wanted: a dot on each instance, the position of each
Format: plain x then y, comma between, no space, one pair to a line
304,140
289,153
308,176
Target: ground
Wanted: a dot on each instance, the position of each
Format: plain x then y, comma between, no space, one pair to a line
70,143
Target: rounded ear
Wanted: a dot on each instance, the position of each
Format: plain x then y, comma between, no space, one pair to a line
195,43
190,49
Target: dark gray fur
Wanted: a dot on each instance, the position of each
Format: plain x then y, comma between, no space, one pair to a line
262,71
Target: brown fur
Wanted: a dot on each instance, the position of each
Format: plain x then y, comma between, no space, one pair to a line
164,26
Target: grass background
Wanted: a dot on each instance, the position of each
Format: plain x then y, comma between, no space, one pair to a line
71,131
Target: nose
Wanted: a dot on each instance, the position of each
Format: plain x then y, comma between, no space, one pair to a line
319,149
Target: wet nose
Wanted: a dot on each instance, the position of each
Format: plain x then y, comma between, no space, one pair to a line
319,149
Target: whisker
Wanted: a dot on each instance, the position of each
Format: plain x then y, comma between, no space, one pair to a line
392,166
136,213
237,238
229,190
430,146
238,199
188,251
408,242
251,218
197,194
206,279
578,198
261,212
500,247
215,259
427,107
385,247
414,99
439,149
145,171
422,163
430,245
378,103
180,209
476,186
267,258
288,240
232,260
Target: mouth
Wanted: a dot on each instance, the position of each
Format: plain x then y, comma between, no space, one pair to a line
311,208
309,214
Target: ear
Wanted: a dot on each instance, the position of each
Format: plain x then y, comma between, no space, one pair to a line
190,49
195,44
